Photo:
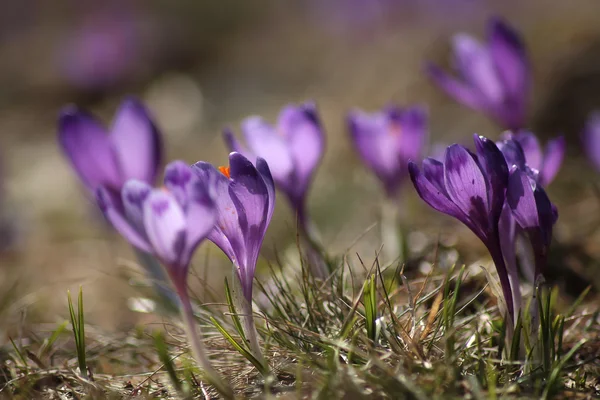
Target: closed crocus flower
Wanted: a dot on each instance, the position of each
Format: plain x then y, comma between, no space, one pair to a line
293,149
130,149
387,140
245,200
494,78
545,162
591,139
533,212
471,188
169,223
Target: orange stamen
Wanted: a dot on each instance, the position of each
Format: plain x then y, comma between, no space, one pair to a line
225,171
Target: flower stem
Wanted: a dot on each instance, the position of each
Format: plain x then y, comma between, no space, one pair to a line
315,251
391,234
198,350
246,316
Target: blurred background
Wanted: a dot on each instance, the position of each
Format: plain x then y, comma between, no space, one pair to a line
201,66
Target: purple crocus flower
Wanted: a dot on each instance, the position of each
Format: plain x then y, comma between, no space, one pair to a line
130,150
493,78
545,163
530,206
533,212
387,140
245,202
293,149
169,223
471,188
591,139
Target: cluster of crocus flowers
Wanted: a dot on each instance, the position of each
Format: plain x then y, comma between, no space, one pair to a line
130,149
494,78
387,140
492,192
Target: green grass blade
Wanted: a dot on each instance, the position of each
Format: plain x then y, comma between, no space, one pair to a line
166,360
234,316
370,304
242,350
49,342
78,331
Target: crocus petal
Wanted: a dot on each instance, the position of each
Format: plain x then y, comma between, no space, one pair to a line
521,199
234,145
495,168
413,122
201,215
306,141
178,178
531,147
109,205
434,173
133,196
436,198
226,233
85,142
136,141
467,186
460,91
250,196
265,172
513,153
553,158
591,139
476,66
376,146
166,229
510,59
264,141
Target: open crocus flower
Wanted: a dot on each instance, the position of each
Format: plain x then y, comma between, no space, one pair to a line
293,149
245,202
591,139
493,78
169,223
471,188
546,163
387,140
131,149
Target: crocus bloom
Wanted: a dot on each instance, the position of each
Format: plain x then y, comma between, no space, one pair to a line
493,77
471,188
533,212
169,223
130,150
245,200
293,149
591,139
545,163
531,208
387,140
